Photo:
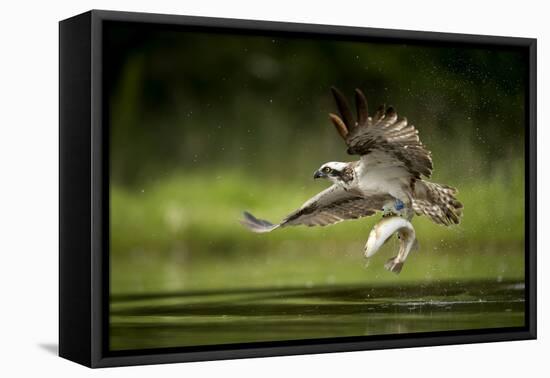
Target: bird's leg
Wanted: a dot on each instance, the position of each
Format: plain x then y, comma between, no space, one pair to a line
394,208
387,210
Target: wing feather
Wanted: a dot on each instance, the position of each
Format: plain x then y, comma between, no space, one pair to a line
332,205
385,132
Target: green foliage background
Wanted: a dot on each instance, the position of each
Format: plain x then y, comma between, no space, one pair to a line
205,125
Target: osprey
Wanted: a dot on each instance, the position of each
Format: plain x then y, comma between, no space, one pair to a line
390,175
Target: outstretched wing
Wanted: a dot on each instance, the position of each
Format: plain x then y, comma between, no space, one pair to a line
391,141
331,206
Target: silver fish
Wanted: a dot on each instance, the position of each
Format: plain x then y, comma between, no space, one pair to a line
380,234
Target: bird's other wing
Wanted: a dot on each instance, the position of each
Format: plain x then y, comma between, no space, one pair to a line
394,140
331,206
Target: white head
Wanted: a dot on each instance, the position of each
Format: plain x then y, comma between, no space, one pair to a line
335,171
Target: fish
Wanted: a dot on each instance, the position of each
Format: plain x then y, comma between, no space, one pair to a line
381,233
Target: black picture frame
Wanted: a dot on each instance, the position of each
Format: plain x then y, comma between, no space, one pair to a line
84,199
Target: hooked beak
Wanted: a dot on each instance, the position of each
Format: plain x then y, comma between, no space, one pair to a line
319,174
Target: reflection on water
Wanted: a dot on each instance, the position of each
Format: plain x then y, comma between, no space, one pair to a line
173,319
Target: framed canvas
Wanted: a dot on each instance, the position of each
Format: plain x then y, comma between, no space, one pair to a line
396,168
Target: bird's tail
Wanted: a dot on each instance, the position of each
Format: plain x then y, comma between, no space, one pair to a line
438,202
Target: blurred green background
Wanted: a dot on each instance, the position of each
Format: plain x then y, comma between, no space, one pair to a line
206,125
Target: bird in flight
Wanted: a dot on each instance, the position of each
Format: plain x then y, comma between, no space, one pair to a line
389,177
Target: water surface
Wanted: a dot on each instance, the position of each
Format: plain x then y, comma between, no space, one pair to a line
190,318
